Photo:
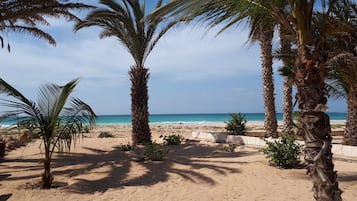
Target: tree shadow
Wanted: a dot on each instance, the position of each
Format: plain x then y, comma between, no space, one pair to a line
5,197
347,176
185,161
101,170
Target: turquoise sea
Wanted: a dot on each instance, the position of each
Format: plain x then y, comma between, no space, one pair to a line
183,118
194,118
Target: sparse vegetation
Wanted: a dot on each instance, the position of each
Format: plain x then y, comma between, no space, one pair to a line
230,147
173,139
85,129
153,152
236,126
283,153
126,147
105,134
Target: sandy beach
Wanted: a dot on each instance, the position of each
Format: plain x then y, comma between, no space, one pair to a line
96,169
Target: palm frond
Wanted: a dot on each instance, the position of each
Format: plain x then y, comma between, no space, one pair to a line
25,16
36,32
6,88
125,21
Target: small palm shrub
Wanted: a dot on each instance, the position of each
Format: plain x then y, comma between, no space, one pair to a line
126,147
283,153
85,129
105,134
173,139
153,152
230,147
236,125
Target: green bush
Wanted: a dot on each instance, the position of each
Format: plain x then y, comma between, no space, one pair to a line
126,147
230,147
153,152
105,134
236,125
283,153
85,129
173,139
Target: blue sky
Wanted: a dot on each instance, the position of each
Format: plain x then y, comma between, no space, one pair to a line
191,70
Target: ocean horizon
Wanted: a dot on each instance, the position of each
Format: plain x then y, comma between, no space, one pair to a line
185,118
197,118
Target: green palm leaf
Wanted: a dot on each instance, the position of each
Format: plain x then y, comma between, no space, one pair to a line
59,123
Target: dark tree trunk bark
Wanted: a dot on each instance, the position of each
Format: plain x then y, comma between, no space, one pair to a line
46,176
350,135
2,147
315,125
287,87
287,106
270,121
141,133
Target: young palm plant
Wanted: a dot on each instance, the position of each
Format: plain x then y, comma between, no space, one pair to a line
124,19
25,16
58,123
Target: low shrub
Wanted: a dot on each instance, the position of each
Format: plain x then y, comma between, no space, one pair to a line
236,126
173,139
85,129
283,153
153,152
126,147
230,147
105,134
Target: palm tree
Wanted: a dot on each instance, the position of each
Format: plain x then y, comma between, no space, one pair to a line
287,55
232,13
124,20
25,16
58,123
343,72
309,77
343,62
262,29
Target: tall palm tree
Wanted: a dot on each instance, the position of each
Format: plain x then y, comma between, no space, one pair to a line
309,77
231,13
25,16
343,72
124,20
342,45
287,55
262,29
58,123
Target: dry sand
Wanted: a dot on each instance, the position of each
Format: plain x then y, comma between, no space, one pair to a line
97,169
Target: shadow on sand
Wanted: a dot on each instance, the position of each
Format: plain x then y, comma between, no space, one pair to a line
99,170
184,160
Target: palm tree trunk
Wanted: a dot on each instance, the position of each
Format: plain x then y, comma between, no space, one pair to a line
350,135
287,106
287,86
46,176
2,147
270,122
315,125
141,133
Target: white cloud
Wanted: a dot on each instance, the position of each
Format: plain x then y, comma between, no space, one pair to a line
193,53
186,56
